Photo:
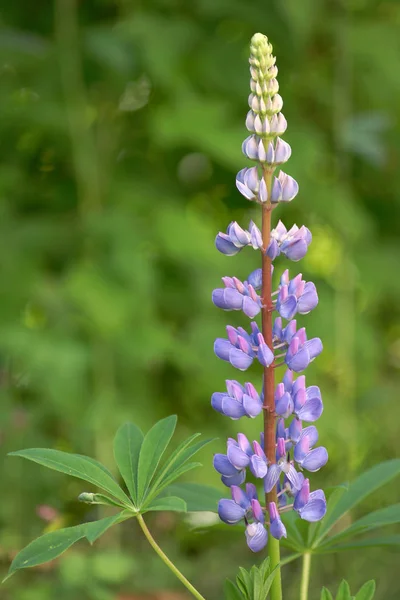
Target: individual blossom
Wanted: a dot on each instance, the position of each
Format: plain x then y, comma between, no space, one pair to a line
236,238
238,401
307,401
284,404
237,296
310,506
258,461
295,296
306,457
232,465
293,243
276,528
240,348
302,351
282,465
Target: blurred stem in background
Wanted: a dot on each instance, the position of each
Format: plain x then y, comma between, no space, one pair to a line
345,316
305,576
85,157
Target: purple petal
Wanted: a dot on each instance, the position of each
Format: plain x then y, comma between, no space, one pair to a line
223,465
295,430
314,347
288,308
293,477
282,151
257,511
240,497
216,401
233,299
265,355
250,307
230,512
273,249
251,491
258,466
314,510
295,250
277,529
239,359
302,496
299,361
311,410
255,279
232,408
272,477
238,235
315,459
263,192
222,348
252,406
256,536
237,479
224,245
284,406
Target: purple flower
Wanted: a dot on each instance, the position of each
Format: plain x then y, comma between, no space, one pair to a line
237,296
241,348
283,401
233,511
234,240
256,536
273,154
277,528
250,186
284,188
295,296
258,462
301,352
281,466
229,474
307,402
306,458
293,243
310,506
238,402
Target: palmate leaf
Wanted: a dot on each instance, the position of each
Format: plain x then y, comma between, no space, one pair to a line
51,545
325,594
367,592
78,466
231,592
127,444
374,542
256,583
343,591
151,452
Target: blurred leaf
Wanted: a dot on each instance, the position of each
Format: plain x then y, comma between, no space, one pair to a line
326,595
343,591
332,500
231,592
127,443
390,540
367,592
378,518
198,497
151,451
364,485
76,465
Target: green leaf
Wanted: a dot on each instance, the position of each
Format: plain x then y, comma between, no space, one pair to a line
153,447
367,592
175,475
268,582
231,592
127,443
325,594
175,464
295,539
78,466
364,485
90,498
51,545
379,518
198,497
95,529
389,540
343,591
167,503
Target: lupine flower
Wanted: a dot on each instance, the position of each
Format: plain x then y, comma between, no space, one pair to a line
292,399
293,243
310,506
237,296
277,528
302,351
239,401
295,296
274,154
233,511
282,466
240,348
306,458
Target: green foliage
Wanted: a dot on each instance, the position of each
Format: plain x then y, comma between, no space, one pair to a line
316,537
366,592
251,585
144,478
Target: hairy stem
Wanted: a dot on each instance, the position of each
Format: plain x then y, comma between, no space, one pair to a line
305,576
269,383
167,561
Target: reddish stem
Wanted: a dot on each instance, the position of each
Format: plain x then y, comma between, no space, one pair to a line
266,317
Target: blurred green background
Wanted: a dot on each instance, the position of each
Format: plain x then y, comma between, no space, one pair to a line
120,126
